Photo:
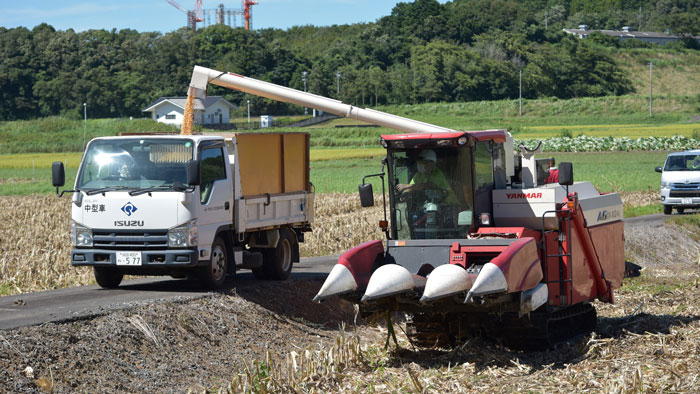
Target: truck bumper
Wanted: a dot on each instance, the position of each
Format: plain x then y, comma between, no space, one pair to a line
173,258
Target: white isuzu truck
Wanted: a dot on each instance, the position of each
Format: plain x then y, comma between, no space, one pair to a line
190,205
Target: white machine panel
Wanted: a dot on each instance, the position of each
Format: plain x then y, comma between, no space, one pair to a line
526,207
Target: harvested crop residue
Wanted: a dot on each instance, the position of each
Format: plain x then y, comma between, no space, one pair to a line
272,338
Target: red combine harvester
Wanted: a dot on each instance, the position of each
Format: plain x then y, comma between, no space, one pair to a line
477,245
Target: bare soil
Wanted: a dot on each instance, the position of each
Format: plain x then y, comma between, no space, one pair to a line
647,342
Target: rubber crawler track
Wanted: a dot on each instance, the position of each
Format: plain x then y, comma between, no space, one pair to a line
541,330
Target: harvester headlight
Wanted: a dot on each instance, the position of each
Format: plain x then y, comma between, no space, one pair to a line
462,140
184,235
80,235
384,143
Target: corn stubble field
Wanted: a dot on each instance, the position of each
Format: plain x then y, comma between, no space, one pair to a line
35,240
648,341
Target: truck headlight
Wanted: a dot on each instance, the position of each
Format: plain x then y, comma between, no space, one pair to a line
80,235
665,185
184,235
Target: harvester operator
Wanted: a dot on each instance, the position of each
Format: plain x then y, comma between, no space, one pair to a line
429,177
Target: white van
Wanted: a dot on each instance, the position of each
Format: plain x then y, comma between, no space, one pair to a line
680,181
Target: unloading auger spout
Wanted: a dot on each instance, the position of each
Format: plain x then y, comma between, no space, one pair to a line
201,76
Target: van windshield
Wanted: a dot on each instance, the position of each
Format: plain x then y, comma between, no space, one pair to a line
683,163
135,163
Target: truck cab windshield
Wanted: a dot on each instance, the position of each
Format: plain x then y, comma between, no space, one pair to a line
130,164
431,193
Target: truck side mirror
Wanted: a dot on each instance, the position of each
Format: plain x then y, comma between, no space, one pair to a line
58,174
193,176
366,195
566,174
657,169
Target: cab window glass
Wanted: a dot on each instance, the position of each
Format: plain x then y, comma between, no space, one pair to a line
212,168
432,193
483,182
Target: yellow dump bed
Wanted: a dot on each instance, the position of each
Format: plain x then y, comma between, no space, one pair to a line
273,163
271,180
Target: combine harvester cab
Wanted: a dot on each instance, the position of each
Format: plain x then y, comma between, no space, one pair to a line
476,242
478,246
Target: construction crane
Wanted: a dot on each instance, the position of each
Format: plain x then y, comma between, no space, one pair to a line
219,14
194,16
247,4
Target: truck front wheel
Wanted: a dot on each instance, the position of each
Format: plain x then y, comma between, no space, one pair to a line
107,277
277,261
668,209
214,274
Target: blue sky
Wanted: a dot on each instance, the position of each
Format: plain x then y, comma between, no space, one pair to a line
158,15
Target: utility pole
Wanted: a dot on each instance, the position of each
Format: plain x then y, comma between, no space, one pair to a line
521,92
338,74
248,114
305,74
84,123
651,90
640,18
546,21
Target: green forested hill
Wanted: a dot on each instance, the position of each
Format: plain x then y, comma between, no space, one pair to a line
464,50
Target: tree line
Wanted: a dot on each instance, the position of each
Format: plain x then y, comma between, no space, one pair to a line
424,51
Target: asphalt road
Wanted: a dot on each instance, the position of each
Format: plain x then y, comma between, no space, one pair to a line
75,303
81,302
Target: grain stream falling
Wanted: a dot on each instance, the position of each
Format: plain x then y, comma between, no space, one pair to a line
188,119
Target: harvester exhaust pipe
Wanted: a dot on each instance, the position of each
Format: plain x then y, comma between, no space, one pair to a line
201,76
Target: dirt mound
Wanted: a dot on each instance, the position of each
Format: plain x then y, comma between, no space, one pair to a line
170,346
666,245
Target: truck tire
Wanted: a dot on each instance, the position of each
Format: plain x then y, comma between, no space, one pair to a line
668,209
108,277
680,210
214,274
277,262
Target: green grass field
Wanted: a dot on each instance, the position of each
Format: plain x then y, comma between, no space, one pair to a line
341,170
599,116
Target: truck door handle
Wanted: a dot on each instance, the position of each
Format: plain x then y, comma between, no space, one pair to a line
227,205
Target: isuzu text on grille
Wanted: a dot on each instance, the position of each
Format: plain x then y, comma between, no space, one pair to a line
128,223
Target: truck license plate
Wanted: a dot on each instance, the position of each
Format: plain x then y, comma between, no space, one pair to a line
686,201
128,258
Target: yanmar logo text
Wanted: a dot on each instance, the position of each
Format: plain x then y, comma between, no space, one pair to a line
512,196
